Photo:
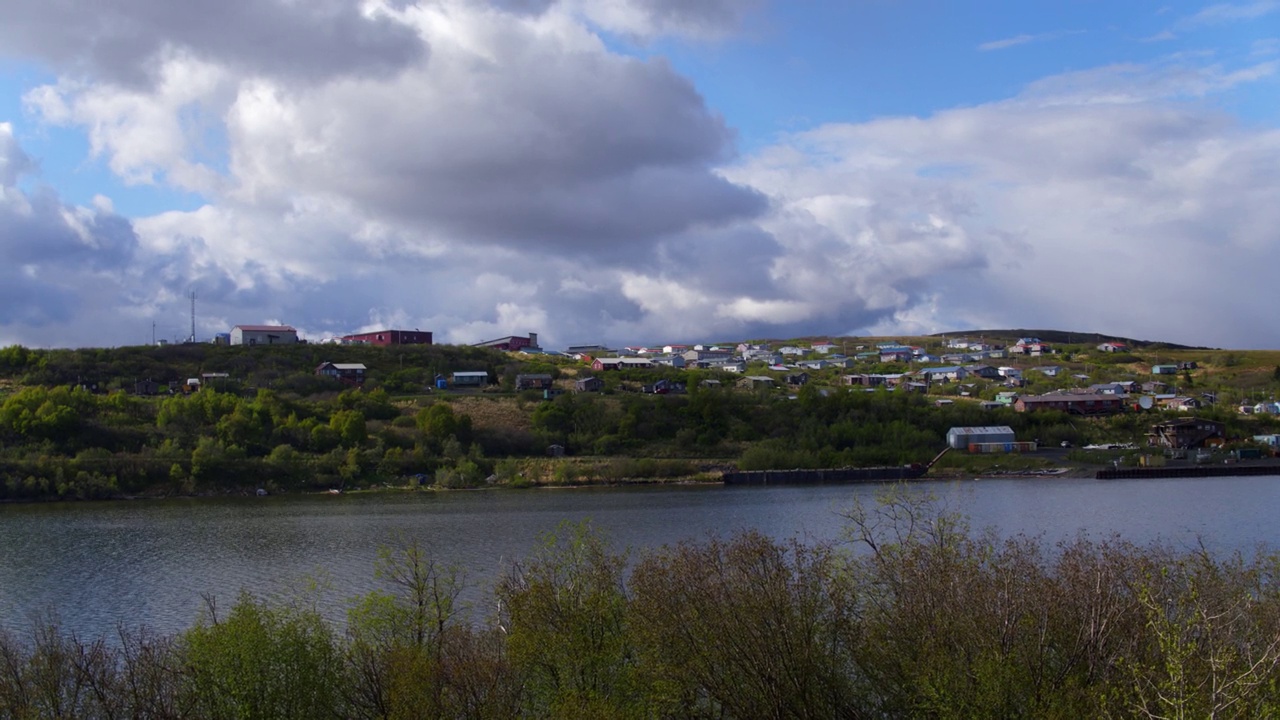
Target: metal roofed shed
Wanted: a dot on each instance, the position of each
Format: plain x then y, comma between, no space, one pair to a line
960,438
471,378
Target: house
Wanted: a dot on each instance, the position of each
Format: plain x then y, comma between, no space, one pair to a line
1073,403
1155,387
700,356
389,337
814,364
756,381
1164,369
1108,388
737,366
675,361
792,350
797,378
1048,370
1113,347
944,374
1180,402
675,349
896,355
1006,398
986,372
710,383
1188,365
146,387
620,363
1187,432
533,381
663,387
1009,372
823,347
510,343
263,335
588,384
960,438
349,373
470,378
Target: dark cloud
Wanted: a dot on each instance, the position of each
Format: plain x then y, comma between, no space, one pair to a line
14,162
704,17
119,40
53,258
647,19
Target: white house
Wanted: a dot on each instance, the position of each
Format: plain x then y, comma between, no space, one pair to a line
944,374
263,335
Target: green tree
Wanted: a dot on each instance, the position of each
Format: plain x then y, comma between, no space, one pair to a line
439,422
263,663
350,426
566,613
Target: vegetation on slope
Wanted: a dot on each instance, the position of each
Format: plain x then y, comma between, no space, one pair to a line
273,424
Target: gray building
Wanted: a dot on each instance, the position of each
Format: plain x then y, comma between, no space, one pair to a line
960,438
263,335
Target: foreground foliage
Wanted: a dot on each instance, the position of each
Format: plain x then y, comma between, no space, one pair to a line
916,616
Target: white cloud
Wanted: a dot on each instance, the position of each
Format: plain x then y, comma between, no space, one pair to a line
1024,39
1131,213
1228,12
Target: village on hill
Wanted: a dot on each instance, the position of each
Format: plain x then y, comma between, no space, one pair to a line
391,407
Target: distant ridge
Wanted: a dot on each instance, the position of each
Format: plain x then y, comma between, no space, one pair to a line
1063,336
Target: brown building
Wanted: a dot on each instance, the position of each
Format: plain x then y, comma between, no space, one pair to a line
390,337
1186,433
1075,404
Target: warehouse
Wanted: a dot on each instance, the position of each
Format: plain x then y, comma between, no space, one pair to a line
960,438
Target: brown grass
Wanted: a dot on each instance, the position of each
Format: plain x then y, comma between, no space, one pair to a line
493,413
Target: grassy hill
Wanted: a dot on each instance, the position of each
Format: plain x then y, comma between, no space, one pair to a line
70,425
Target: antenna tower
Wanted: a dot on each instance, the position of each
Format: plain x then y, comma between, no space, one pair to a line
192,295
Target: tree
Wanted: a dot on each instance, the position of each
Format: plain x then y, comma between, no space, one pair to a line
262,662
566,627
350,427
438,422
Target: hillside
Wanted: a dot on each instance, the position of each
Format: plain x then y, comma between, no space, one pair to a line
73,424
1065,337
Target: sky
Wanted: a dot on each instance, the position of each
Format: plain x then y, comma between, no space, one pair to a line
639,171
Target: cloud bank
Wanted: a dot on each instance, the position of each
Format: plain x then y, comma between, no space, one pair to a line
480,169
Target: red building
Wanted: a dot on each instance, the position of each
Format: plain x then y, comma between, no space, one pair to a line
390,337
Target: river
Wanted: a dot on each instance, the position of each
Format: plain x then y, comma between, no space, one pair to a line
149,563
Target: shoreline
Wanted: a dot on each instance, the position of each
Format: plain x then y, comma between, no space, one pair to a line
1059,472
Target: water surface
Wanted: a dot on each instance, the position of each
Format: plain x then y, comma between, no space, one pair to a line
98,565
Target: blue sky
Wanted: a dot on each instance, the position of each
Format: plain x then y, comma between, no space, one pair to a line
639,171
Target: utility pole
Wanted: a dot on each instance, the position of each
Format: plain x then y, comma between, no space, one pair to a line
192,295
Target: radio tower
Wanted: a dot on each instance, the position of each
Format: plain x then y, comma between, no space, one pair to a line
192,295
